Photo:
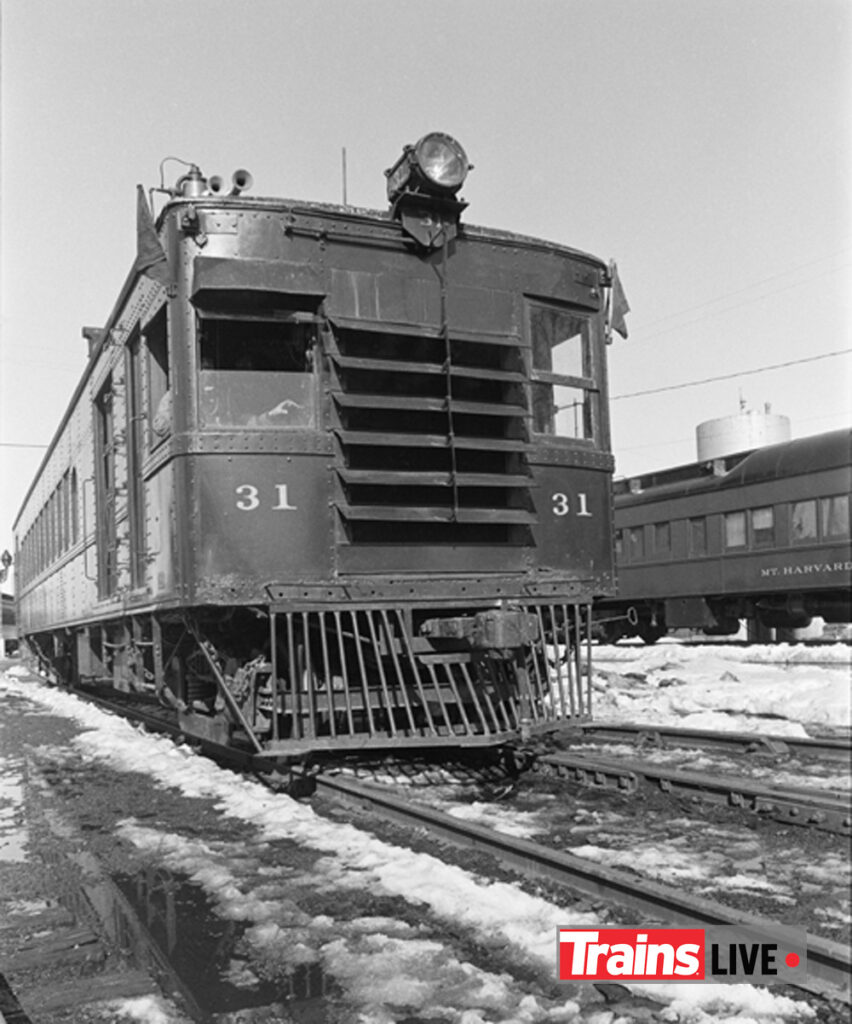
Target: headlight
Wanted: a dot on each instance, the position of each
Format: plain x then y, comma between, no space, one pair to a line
442,160
437,165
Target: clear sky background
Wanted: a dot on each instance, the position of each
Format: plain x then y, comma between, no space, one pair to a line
703,144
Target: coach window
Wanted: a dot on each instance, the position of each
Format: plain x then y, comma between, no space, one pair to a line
75,514
564,392
662,539
803,521
255,372
735,530
834,516
698,536
762,527
619,545
636,543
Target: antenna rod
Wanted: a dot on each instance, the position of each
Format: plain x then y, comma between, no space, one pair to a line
343,154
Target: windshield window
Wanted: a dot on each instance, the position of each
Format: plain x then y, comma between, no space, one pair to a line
256,374
563,390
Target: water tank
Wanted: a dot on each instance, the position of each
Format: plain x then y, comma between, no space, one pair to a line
749,428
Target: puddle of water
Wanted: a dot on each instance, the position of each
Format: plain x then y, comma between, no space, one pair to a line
167,924
157,921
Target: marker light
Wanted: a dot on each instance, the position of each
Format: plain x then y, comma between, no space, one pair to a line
437,165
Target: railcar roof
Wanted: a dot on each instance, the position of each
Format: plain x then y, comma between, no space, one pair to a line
365,213
816,453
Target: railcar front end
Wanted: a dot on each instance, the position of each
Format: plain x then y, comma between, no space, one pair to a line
341,479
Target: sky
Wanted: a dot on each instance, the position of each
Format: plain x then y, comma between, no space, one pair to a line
705,145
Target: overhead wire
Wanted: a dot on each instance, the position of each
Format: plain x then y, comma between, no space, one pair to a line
731,376
752,287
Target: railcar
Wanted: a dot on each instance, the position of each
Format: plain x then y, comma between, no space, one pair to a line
761,536
333,479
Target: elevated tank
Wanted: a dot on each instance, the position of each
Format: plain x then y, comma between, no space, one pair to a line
749,428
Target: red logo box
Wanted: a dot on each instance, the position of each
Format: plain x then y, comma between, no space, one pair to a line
631,954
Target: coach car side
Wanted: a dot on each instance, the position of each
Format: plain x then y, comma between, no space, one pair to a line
766,540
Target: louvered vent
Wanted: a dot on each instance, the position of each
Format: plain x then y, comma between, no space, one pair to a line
433,438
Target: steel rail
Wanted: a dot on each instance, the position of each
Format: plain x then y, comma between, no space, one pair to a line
825,809
827,749
829,964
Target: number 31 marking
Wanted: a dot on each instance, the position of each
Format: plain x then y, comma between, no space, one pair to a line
561,506
250,500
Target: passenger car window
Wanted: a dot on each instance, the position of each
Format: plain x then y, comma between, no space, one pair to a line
662,538
803,521
834,516
763,527
735,530
698,536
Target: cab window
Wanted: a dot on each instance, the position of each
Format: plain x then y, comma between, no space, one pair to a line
564,393
255,373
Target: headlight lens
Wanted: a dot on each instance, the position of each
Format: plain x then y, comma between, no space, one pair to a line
442,160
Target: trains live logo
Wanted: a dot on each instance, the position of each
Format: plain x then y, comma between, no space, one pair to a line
718,954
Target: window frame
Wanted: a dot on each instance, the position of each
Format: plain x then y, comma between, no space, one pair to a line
546,378
308,323
825,515
692,527
738,515
762,537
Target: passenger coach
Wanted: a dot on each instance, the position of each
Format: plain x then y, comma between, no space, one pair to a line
333,478
762,536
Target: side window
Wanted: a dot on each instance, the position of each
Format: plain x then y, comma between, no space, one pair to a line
155,336
834,516
698,536
255,373
619,545
75,512
763,527
636,543
735,530
564,393
662,538
803,521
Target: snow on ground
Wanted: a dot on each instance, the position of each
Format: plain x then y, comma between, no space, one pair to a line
380,964
13,836
768,689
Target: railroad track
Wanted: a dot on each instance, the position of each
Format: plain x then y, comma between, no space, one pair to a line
827,749
829,965
827,810
821,809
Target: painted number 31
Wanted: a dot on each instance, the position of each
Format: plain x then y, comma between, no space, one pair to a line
249,498
561,505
